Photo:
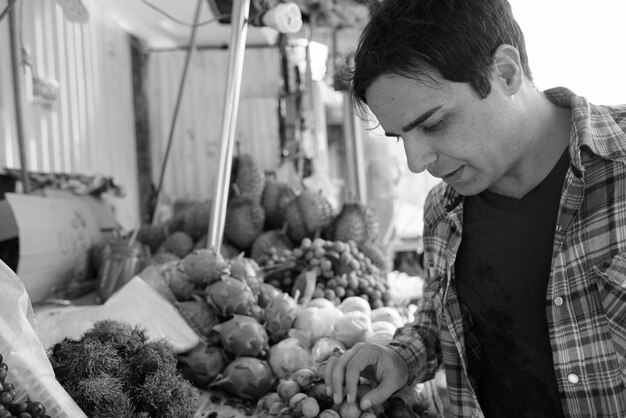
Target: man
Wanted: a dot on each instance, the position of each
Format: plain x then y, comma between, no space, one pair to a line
525,238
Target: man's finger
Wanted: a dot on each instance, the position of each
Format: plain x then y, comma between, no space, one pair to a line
326,354
379,394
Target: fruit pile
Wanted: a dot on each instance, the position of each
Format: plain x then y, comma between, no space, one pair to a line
303,394
341,269
11,409
286,232
113,370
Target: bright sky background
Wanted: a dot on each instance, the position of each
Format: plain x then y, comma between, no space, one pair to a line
578,44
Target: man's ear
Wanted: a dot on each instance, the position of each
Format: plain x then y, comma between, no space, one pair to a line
508,68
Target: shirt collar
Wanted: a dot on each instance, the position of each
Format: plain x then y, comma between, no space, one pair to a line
593,128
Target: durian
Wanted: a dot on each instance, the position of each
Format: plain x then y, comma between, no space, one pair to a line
276,196
244,221
179,243
249,177
355,222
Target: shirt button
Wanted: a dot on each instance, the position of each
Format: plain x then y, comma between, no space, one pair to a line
558,301
573,378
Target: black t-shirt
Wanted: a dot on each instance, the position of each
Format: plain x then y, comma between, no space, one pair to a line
502,273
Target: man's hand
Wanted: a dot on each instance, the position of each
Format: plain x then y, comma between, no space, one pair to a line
372,361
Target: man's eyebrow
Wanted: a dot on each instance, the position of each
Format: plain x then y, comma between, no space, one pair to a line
421,118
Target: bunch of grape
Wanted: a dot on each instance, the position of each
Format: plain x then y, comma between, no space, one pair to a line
303,394
9,409
342,271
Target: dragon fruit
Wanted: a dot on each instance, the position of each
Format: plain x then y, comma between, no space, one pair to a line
199,315
231,296
202,364
243,335
178,282
267,293
247,378
204,266
280,315
248,270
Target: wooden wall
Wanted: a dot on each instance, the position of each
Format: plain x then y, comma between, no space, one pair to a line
191,168
90,128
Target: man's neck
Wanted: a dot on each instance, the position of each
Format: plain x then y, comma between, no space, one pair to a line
547,136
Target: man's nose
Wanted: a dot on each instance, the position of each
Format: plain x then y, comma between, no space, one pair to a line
419,155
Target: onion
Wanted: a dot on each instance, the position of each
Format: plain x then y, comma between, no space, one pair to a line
315,322
383,326
352,328
287,356
355,303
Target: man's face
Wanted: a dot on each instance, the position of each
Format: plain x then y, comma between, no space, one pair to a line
449,130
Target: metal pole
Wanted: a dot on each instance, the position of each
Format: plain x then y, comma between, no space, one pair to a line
239,29
16,58
355,158
181,88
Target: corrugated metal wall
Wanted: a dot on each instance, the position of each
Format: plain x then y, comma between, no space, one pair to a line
90,128
191,169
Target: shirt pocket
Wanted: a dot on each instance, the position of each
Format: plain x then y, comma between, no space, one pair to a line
612,287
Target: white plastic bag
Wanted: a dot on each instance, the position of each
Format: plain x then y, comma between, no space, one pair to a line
136,303
29,369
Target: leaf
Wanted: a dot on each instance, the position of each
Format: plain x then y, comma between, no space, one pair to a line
304,286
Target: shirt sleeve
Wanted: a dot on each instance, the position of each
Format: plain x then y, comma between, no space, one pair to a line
418,342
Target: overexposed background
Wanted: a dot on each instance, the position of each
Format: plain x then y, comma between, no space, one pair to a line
576,44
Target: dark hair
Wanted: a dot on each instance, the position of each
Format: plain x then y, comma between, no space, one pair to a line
419,38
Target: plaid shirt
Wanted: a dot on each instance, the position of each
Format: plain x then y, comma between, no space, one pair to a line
586,296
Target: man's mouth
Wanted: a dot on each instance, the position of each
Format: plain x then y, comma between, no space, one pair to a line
452,176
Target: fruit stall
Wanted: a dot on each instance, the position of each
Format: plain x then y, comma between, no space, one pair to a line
207,303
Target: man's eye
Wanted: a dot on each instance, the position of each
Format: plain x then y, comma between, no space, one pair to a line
434,127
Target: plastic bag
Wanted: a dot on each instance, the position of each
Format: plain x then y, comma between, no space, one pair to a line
136,303
29,369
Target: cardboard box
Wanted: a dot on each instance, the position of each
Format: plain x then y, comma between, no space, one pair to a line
55,237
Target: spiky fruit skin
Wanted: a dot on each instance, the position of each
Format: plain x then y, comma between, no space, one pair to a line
196,219
176,223
296,228
355,222
247,378
249,177
280,315
152,236
244,221
307,214
204,266
179,243
243,335
316,210
275,238
230,296
377,256
276,196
